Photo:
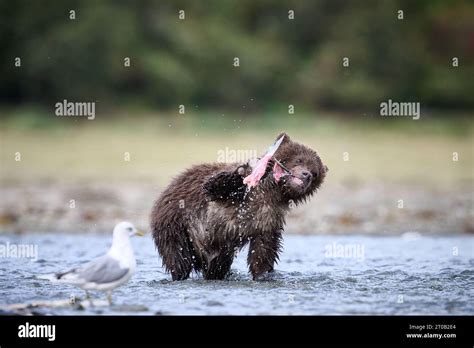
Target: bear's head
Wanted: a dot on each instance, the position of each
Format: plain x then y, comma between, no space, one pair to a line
297,170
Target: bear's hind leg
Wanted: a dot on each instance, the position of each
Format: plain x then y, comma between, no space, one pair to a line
177,253
178,261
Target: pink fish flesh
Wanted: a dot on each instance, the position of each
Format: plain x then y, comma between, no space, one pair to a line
253,179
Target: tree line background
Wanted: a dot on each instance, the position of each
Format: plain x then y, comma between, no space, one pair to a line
282,61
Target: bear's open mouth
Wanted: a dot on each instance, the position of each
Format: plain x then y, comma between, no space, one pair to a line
280,171
297,181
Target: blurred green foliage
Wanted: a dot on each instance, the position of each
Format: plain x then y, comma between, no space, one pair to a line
282,61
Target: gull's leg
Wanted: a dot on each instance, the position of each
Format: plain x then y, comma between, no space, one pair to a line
109,297
88,297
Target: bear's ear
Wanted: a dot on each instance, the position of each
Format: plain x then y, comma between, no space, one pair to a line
286,139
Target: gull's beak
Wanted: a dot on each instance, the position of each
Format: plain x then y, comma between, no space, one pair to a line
139,233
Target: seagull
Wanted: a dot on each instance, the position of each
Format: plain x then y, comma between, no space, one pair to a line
109,271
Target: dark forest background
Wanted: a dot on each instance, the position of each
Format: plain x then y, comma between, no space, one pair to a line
282,61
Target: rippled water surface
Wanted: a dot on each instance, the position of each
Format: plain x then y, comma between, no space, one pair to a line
375,275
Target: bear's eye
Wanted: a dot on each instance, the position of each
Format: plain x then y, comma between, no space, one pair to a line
299,161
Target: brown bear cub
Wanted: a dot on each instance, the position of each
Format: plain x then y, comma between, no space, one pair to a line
211,211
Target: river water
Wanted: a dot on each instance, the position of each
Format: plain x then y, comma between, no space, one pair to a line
408,274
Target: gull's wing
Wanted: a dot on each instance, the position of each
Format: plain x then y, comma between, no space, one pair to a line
102,270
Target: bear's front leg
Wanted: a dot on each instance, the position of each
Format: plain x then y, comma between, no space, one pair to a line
227,185
263,252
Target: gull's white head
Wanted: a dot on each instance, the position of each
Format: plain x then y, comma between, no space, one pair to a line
121,248
126,229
